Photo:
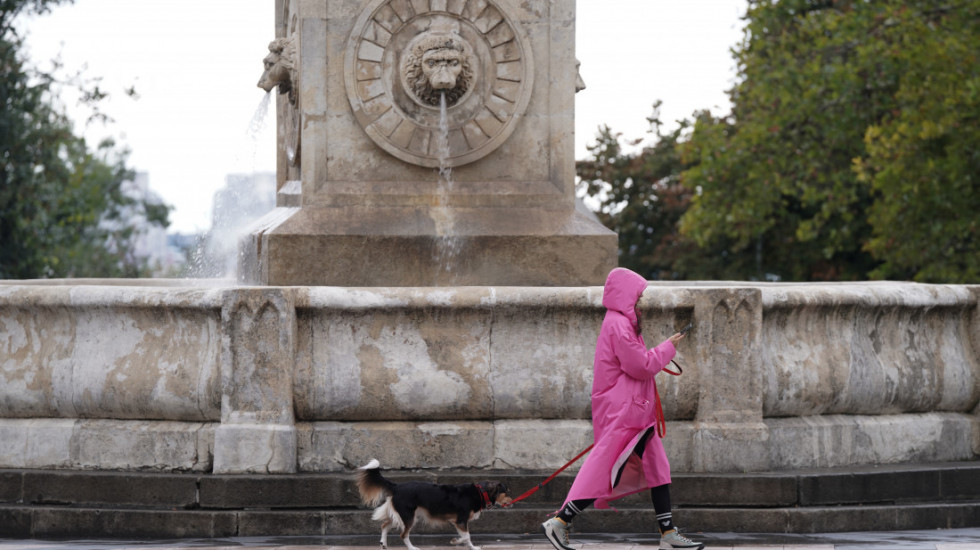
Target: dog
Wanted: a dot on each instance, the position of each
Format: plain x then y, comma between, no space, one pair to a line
399,505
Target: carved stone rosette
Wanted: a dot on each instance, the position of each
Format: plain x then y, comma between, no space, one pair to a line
493,89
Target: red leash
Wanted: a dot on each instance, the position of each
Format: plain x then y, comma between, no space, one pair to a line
533,490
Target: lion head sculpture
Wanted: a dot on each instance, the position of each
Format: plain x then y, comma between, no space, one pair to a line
280,67
438,63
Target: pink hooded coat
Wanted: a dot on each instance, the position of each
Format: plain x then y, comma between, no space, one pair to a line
624,402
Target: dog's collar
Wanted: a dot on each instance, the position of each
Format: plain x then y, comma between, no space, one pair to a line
487,504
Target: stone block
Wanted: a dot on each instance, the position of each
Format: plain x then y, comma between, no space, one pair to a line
836,519
335,446
540,444
727,344
254,448
962,482
869,487
429,361
280,491
730,447
403,246
15,523
36,443
554,376
734,520
839,440
257,433
865,349
11,486
734,490
141,445
679,444
260,523
105,489
119,523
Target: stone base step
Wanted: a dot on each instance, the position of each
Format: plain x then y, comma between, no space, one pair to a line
935,482
52,503
59,522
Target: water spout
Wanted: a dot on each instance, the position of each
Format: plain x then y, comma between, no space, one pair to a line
448,243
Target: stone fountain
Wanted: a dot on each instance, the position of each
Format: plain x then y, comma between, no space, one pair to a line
362,137
426,292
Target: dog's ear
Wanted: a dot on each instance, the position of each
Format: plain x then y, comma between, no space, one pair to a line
494,488
497,492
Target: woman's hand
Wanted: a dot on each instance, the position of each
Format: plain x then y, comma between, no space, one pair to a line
677,338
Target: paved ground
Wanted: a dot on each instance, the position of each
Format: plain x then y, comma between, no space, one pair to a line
944,539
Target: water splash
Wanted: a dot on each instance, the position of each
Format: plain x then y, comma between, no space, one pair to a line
448,243
246,196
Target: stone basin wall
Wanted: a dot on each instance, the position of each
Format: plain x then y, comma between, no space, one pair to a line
185,375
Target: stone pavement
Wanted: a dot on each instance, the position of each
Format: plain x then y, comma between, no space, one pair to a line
941,539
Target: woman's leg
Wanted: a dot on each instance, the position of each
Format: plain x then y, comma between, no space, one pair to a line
669,537
660,496
556,528
574,508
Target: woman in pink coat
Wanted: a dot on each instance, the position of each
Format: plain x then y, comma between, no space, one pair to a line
627,421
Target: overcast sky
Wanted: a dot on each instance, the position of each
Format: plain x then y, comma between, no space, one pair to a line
195,64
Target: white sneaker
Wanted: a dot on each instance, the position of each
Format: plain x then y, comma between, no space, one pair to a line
557,532
673,539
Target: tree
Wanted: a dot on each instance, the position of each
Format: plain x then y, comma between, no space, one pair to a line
60,201
640,197
922,158
838,102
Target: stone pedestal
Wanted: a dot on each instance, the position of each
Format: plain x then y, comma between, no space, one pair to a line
380,185
257,431
728,429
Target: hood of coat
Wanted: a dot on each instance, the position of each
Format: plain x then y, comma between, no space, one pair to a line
623,288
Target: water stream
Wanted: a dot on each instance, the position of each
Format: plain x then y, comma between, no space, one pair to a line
448,243
245,196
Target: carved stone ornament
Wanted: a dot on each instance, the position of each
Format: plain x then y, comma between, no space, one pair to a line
280,68
403,55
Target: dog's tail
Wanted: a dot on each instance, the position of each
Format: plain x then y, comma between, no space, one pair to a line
373,486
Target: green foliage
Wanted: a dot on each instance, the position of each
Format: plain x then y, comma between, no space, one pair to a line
63,212
923,157
851,149
640,197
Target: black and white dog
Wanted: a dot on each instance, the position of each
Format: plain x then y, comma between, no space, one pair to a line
399,505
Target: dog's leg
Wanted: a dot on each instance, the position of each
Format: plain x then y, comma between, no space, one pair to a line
464,536
405,533
385,525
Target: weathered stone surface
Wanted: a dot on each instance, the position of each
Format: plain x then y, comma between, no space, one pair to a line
426,359
142,445
332,446
37,443
876,348
838,440
82,352
540,444
495,377
258,349
106,444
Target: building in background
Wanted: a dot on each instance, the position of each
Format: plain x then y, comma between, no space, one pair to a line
244,199
149,245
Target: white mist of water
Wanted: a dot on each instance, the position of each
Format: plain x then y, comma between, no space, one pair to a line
448,243
246,196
